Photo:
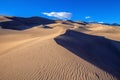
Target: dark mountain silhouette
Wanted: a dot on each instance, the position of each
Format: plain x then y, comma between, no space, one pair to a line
109,24
113,24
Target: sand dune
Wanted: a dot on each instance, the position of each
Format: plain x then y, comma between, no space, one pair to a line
11,38
60,53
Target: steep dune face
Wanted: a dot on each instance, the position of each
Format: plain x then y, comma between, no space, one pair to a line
20,23
63,52
99,51
44,59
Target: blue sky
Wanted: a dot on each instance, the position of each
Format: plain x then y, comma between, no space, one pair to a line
96,10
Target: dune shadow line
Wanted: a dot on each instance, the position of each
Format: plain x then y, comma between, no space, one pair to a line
20,23
97,50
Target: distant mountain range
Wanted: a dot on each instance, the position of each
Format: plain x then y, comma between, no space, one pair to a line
112,24
21,23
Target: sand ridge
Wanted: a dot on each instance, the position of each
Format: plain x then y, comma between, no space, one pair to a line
12,40
48,54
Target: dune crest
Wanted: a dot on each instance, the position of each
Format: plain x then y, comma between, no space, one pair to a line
65,51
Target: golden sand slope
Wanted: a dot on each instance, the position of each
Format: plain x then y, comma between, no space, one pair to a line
12,38
111,32
40,57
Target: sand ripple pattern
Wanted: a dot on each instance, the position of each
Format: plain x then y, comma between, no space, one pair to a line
44,59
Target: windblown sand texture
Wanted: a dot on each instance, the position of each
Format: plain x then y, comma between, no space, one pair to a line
64,52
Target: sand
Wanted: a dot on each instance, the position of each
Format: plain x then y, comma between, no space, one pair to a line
60,53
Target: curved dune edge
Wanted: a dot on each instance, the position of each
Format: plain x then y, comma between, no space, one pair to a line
9,42
41,58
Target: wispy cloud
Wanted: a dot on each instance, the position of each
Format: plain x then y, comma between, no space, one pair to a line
87,17
59,15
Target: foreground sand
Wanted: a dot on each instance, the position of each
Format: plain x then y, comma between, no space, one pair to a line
47,54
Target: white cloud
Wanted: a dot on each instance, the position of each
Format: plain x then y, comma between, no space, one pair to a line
87,17
101,22
60,15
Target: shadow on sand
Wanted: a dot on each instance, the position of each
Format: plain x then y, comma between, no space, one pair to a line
20,23
97,50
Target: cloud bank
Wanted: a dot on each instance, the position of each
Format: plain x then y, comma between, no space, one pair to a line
59,15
